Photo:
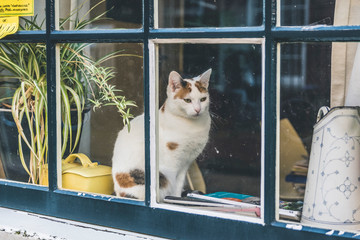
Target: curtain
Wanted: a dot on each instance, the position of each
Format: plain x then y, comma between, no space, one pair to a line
345,73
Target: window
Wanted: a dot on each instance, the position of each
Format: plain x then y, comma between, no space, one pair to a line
231,161
188,13
270,69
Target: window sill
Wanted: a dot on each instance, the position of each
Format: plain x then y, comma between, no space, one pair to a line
18,225
327,232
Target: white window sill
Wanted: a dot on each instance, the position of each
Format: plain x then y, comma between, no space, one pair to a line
18,225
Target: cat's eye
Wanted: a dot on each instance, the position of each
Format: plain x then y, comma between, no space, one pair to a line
187,100
203,99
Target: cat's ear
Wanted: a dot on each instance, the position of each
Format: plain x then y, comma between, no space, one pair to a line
175,81
205,78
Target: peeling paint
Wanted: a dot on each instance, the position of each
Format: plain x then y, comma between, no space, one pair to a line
26,234
356,235
330,232
314,27
294,226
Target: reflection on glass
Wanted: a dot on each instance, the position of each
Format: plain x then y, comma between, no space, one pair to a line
100,14
36,22
223,156
305,87
299,12
205,13
23,112
94,110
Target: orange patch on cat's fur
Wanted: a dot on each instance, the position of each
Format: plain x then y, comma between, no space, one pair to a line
172,145
163,108
200,86
125,180
183,91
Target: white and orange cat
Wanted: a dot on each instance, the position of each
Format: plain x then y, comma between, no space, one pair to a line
184,125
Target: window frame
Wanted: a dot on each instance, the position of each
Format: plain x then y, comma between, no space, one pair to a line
154,106
141,216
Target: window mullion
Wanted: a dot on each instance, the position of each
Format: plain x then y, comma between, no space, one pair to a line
147,20
51,95
269,115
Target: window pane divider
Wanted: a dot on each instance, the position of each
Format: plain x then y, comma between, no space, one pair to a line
269,116
26,36
316,33
148,101
53,93
99,35
241,32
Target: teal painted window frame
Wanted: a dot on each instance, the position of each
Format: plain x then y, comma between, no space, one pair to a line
139,216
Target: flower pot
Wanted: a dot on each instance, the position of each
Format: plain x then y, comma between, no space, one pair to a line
9,147
9,153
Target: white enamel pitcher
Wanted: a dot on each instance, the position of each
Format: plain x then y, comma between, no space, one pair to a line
332,196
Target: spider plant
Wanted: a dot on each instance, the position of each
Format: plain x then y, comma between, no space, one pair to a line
82,80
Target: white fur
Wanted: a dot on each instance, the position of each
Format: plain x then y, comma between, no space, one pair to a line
187,124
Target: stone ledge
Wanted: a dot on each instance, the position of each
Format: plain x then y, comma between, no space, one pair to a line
19,225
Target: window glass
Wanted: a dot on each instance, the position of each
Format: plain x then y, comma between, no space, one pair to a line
304,87
322,12
35,22
100,14
205,13
102,86
209,123
318,153
23,115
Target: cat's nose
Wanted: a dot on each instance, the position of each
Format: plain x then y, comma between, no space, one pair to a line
197,107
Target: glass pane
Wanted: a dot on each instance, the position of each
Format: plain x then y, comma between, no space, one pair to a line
36,22
211,127
94,75
322,12
100,14
305,87
319,165
23,89
205,13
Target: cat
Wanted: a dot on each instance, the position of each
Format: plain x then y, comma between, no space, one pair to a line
184,125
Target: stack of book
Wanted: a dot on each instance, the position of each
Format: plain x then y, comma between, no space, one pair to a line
229,202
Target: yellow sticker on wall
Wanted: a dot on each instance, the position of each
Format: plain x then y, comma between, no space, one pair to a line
8,25
16,7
